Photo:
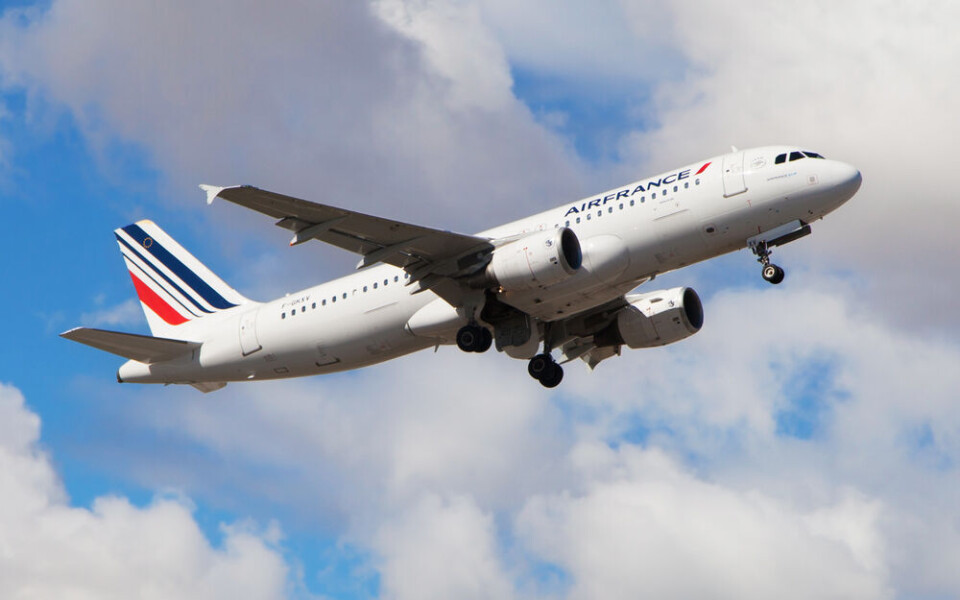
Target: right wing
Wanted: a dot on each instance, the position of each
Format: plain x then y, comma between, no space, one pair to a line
429,255
141,348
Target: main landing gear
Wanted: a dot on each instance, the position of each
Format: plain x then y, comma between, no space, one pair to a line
770,272
544,369
474,338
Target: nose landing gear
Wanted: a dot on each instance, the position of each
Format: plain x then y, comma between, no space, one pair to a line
770,272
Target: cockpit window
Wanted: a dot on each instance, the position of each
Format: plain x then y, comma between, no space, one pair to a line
781,158
812,154
796,156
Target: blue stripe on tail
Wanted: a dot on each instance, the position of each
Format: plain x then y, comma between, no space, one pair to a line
198,285
168,281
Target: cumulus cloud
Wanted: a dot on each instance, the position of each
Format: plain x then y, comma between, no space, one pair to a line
645,527
113,549
442,549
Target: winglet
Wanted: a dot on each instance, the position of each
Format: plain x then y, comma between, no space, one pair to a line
212,191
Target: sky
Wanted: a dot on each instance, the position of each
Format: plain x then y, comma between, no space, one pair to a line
804,444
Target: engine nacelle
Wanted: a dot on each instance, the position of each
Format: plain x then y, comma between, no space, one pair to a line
654,319
536,260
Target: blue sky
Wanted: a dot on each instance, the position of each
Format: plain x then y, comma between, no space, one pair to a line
811,425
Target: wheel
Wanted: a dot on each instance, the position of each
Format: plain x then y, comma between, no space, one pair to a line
539,364
553,376
468,338
485,341
773,273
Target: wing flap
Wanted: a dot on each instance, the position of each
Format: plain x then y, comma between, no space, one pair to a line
141,348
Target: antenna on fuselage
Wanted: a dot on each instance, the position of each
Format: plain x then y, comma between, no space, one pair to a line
733,149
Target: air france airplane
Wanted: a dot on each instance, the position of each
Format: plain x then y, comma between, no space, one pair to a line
558,282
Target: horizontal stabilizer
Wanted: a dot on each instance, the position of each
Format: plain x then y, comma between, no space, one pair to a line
141,348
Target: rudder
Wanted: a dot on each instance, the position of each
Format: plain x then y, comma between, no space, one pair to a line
173,286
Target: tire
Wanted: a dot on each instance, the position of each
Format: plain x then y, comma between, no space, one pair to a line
485,341
539,365
553,376
773,274
468,338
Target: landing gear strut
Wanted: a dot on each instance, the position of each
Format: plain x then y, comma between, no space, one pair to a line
770,272
474,338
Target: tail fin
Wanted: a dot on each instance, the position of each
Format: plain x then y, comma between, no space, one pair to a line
173,286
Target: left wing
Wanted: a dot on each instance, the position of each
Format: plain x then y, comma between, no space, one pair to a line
430,256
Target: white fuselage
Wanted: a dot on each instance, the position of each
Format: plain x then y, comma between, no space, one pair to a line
651,226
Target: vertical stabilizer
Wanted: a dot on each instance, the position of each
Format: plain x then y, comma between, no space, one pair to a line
173,286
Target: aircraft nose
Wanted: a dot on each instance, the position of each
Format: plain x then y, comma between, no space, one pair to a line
846,178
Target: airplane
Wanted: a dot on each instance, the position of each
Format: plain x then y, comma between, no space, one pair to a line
556,282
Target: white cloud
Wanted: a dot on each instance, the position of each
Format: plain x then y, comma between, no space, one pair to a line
49,549
442,549
646,528
127,312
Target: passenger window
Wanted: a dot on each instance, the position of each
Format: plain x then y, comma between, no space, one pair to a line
653,196
303,308
323,302
631,202
600,213
568,224
610,210
686,185
795,156
643,199
781,158
696,182
386,281
344,295
578,219
396,278
283,315
334,299
364,289
374,285
621,206
314,306
675,188
588,216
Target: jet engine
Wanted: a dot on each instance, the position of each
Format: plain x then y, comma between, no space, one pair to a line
654,319
535,261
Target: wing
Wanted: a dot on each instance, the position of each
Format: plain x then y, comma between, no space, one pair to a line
429,255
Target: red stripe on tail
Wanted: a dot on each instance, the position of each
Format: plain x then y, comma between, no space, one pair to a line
156,303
